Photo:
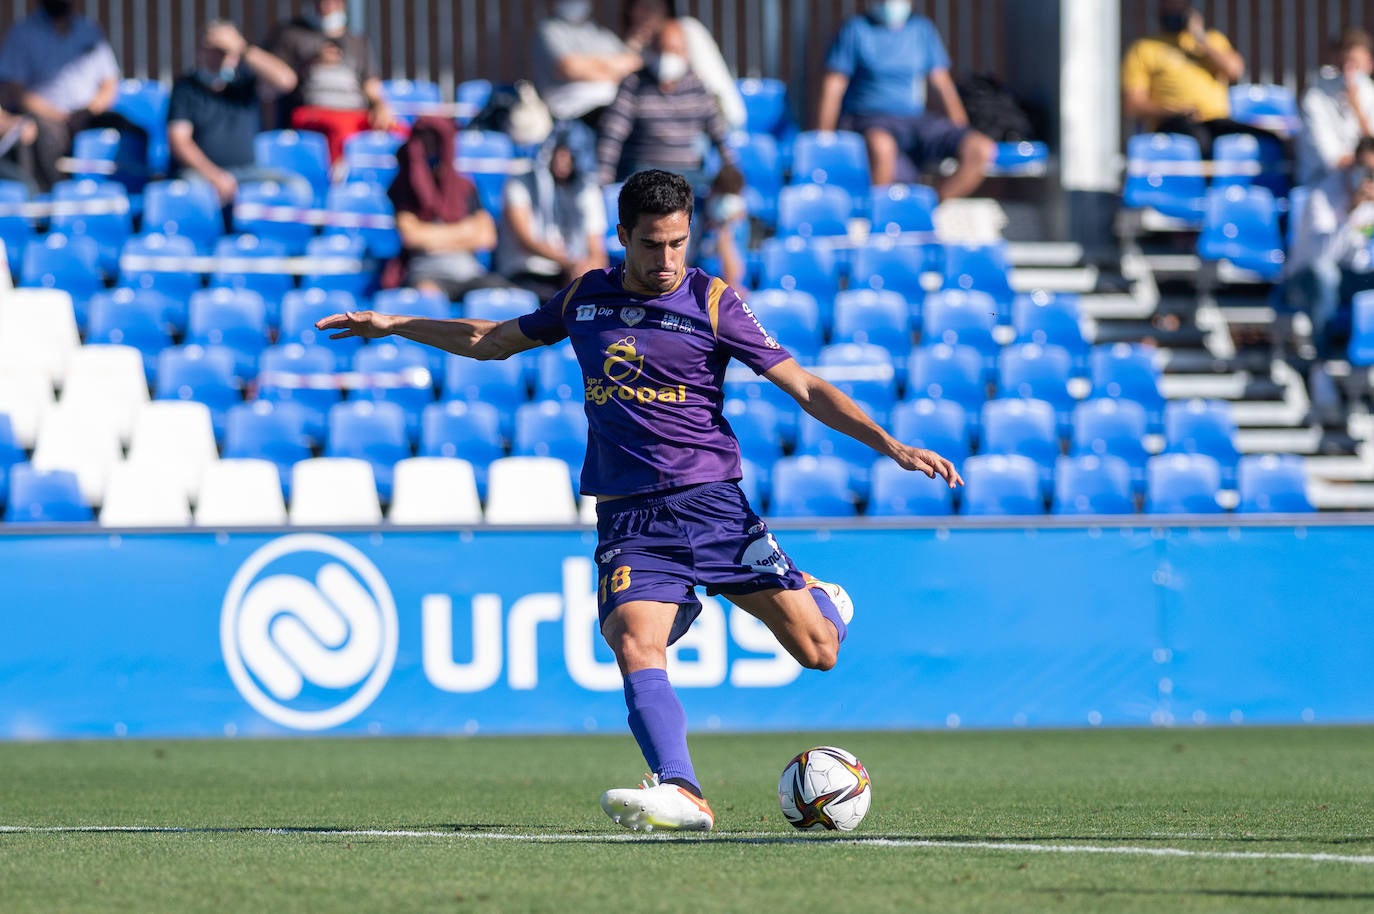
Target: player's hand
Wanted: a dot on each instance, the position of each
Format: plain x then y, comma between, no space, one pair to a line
928,462
370,325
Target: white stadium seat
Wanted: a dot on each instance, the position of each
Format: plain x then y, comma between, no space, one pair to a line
434,490
334,490
177,438
139,496
75,440
26,395
240,493
530,490
107,379
38,327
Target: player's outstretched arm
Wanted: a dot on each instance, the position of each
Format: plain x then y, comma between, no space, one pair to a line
476,339
832,406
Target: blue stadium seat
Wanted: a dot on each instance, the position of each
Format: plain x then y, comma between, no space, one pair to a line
902,493
16,229
499,383
793,318
756,155
293,233
485,156
1267,105
1361,350
470,96
997,485
1024,427
838,158
411,98
189,208
1203,427
876,318
982,268
864,371
144,102
371,431
298,151
1051,318
965,317
551,428
45,497
938,425
11,454
357,283
499,304
557,375
1164,173
741,383
233,318
904,209
1240,225
766,107
1092,484
270,284
272,430
201,373
615,251
807,486
1236,160
131,317
795,264
1182,484
755,424
948,372
1112,427
1273,484
364,201
469,430
370,157
1128,371
1035,372
432,303
301,308
109,229
813,211
889,265
302,374
815,439
105,153
177,284
67,262
1026,158
396,370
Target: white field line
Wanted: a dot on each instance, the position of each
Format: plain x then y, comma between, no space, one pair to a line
739,837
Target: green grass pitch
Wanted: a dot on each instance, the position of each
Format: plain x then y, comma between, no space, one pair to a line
1116,820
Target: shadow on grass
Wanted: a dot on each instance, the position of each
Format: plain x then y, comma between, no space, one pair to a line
1216,893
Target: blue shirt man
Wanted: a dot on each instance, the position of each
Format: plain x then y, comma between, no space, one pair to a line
879,70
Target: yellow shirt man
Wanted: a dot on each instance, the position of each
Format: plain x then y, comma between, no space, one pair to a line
1174,72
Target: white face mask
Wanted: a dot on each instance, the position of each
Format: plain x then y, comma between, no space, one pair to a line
894,13
671,67
334,23
574,11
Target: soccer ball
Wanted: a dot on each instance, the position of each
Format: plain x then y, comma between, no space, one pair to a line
825,788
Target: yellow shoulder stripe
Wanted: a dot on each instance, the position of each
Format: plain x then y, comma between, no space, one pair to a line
572,290
718,287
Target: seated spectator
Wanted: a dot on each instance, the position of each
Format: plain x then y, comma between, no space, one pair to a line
640,22
1179,80
554,222
1333,239
661,117
877,73
17,136
1337,108
214,113
724,211
438,216
58,68
577,64
338,92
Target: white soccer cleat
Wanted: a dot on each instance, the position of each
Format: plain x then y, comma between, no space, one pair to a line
653,805
838,595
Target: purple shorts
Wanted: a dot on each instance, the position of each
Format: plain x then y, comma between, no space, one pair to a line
661,546
926,138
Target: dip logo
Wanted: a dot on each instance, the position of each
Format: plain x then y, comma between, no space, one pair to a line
308,631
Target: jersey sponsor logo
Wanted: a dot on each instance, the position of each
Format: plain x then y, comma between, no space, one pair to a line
765,556
623,363
632,315
679,323
623,366
308,631
586,312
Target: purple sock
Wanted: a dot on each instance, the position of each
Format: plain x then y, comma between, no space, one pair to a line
659,725
828,609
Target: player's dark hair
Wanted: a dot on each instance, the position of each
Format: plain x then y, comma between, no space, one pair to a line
654,192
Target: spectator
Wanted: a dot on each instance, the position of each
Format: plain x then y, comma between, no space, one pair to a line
877,74
1337,109
725,215
17,136
577,64
214,113
1179,80
661,117
640,22
58,68
555,222
1333,241
439,216
338,92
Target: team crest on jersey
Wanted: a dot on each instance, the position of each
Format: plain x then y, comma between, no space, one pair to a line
632,315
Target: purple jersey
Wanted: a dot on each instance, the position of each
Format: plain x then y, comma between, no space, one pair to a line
653,368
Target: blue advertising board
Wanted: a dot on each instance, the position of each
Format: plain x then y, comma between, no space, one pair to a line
494,631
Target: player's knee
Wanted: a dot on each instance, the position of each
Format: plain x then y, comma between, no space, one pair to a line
631,648
821,653
977,151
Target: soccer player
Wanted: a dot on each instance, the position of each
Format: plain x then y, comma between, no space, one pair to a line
653,339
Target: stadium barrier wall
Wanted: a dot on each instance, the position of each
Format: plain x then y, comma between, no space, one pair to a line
193,634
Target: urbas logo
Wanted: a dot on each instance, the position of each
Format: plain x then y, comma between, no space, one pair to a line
308,631
623,366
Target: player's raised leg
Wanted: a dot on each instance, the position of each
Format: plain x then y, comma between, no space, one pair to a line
810,623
